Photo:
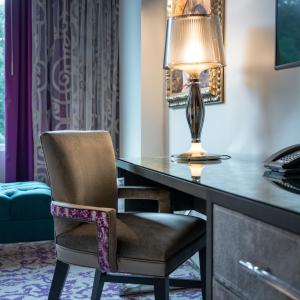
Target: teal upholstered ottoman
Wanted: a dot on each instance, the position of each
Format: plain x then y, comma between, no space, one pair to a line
25,212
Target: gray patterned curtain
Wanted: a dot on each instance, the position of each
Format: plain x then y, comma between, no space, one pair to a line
75,69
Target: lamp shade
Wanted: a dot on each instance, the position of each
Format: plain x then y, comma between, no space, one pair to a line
193,43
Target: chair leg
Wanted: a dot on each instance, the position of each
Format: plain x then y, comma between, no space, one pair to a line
97,286
58,281
161,288
202,260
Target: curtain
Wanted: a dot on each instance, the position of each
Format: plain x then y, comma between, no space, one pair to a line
18,114
74,69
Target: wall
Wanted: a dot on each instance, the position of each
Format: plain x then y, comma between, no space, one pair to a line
261,113
143,111
130,77
154,108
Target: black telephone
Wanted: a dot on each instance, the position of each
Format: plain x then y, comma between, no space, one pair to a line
285,161
287,182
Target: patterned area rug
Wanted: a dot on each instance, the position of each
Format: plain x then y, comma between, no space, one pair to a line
26,271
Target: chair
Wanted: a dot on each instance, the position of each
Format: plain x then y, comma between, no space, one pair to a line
90,233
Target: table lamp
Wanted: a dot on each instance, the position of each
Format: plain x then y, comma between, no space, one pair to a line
193,44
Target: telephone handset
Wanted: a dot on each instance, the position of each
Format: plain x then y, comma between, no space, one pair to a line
290,182
285,161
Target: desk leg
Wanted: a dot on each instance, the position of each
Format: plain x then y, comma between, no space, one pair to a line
209,249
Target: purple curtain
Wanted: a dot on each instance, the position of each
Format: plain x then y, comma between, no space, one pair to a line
18,79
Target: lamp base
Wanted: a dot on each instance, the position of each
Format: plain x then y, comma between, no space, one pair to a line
195,153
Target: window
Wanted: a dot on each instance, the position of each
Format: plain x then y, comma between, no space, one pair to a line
1,72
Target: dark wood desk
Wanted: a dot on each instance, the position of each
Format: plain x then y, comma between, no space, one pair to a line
232,186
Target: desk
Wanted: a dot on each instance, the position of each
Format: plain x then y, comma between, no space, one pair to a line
235,185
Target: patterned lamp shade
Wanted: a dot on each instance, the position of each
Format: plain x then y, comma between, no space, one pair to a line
193,43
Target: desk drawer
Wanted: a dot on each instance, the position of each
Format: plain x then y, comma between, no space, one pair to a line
237,237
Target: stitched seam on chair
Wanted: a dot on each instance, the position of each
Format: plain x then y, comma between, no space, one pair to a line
78,251
143,260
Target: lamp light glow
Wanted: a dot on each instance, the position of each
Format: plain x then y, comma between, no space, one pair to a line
193,43
196,171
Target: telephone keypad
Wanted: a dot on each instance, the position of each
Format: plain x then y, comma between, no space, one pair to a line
289,158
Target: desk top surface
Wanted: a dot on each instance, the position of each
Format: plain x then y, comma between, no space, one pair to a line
238,177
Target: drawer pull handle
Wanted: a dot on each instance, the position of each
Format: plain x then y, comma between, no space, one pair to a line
271,280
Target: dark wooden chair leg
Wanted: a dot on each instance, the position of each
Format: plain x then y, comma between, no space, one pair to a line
161,288
202,260
58,281
97,286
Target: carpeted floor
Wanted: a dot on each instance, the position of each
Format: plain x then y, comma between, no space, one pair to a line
26,272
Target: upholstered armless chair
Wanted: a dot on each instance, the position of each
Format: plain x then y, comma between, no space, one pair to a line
90,233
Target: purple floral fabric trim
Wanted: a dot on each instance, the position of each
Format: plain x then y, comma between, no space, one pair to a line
101,219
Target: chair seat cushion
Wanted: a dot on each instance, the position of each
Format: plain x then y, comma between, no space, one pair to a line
156,236
24,201
151,237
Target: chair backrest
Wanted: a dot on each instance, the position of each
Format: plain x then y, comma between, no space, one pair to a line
81,167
